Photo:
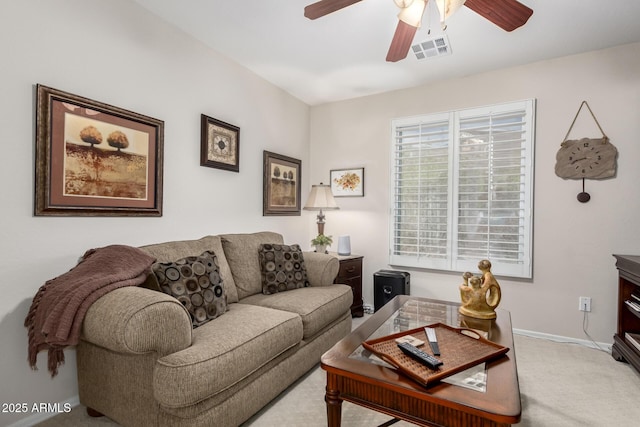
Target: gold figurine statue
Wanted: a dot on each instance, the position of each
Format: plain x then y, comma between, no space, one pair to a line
480,295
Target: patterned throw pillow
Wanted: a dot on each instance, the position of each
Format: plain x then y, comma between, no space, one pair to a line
282,268
194,281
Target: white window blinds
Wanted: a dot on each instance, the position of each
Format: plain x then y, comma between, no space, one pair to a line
462,189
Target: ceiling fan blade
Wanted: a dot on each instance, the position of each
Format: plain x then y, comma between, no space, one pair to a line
401,42
325,7
506,14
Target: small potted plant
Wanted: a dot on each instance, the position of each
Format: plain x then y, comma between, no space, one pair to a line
321,242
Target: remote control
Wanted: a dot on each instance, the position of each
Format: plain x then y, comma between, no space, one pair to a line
419,355
433,340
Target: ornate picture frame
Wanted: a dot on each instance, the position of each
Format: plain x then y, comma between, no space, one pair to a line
347,182
219,145
281,185
94,159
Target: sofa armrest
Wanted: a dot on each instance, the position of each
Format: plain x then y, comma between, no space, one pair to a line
138,320
322,269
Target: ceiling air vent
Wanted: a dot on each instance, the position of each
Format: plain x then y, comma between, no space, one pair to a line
431,48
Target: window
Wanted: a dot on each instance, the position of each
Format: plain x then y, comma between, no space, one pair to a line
462,189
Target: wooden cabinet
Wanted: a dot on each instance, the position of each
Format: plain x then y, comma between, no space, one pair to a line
626,341
351,274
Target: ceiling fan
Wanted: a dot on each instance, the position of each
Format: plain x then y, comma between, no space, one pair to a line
506,14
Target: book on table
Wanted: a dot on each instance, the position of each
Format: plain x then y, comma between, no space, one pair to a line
635,306
633,339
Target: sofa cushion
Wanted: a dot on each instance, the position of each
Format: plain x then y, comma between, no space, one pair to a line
282,268
241,251
317,306
224,351
194,281
171,251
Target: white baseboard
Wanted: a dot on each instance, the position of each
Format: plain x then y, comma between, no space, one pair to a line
558,338
38,417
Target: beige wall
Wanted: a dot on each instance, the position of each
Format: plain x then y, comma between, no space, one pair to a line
573,242
117,53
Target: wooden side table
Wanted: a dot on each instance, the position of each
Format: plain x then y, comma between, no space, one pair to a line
350,273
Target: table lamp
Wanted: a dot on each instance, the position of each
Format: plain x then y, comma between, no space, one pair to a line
320,198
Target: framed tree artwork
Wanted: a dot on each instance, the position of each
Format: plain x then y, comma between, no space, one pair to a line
281,185
94,159
219,145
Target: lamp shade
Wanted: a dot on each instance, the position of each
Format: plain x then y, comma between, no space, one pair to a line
320,198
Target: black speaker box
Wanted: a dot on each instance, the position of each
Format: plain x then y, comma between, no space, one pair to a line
387,284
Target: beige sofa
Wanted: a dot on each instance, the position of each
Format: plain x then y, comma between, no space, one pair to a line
141,363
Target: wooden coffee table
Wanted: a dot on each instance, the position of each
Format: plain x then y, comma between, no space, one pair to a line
357,376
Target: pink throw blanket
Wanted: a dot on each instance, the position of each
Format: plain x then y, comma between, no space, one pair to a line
58,308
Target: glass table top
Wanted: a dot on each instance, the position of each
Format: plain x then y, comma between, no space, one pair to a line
415,314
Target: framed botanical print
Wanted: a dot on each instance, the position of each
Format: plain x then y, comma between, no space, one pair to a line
281,185
219,145
347,182
94,159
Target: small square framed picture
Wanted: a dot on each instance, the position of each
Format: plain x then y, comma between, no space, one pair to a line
347,182
219,145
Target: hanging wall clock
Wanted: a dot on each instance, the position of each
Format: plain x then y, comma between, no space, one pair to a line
586,158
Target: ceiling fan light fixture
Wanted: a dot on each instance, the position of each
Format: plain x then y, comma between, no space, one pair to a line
412,14
403,3
448,7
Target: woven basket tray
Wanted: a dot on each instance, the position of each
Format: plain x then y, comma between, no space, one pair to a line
460,349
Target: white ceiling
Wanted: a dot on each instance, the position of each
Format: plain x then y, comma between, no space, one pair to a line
342,55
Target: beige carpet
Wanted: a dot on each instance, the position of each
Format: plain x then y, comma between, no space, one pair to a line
561,385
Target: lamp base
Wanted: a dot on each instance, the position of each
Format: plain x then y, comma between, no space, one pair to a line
320,222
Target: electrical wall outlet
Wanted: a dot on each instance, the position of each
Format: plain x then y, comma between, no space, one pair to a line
585,304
